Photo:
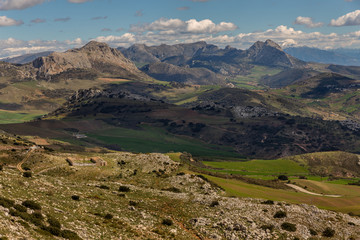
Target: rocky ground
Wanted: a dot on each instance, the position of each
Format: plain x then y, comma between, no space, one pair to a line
144,196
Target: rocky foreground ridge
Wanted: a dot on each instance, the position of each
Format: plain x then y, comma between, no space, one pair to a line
144,196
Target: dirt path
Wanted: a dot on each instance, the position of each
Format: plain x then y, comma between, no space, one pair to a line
19,165
300,189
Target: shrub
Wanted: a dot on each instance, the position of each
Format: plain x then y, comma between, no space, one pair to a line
124,189
214,203
67,234
288,227
53,230
31,204
133,203
269,227
104,187
1,167
37,215
53,222
20,208
167,222
108,216
280,214
283,177
75,197
6,203
313,232
328,232
27,174
172,189
268,202
180,174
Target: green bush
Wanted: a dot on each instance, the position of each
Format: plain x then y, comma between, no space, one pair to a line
20,208
53,230
283,178
268,202
6,203
288,227
53,222
124,189
167,222
280,214
31,204
1,167
214,203
27,174
328,232
75,197
133,203
37,215
313,232
172,189
108,216
269,227
67,234
104,187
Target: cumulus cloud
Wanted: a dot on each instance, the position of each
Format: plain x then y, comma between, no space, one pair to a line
350,19
18,4
308,22
5,22
191,26
13,47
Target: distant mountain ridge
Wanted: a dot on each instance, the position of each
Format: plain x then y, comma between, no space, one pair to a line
27,58
348,57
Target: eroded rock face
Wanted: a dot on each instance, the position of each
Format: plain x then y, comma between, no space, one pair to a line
94,55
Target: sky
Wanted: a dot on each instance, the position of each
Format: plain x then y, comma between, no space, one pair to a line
28,26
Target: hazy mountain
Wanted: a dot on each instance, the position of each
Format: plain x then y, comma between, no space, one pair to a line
172,73
336,56
27,58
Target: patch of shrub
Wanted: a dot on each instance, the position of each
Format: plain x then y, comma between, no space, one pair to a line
52,230
27,174
288,227
37,215
269,227
312,232
172,189
351,223
6,203
214,203
124,189
75,197
180,174
104,187
31,204
108,216
167,222
67,234
283,177
280,214
1,167
268,202
20,208
133,203
328,232
53,222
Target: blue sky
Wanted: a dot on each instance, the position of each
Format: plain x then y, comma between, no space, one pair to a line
37,25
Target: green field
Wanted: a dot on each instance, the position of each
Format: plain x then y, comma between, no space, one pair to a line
260,167
17,117
348,202
149,139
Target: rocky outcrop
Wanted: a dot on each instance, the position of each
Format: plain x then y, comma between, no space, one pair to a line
93,56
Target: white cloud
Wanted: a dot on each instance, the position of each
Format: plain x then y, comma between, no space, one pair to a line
5,22
350,19
190,26
18,4
308,22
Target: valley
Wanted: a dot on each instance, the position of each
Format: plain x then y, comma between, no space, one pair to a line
126,136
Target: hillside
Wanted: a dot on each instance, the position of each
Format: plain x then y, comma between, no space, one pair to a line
135,196
27,58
